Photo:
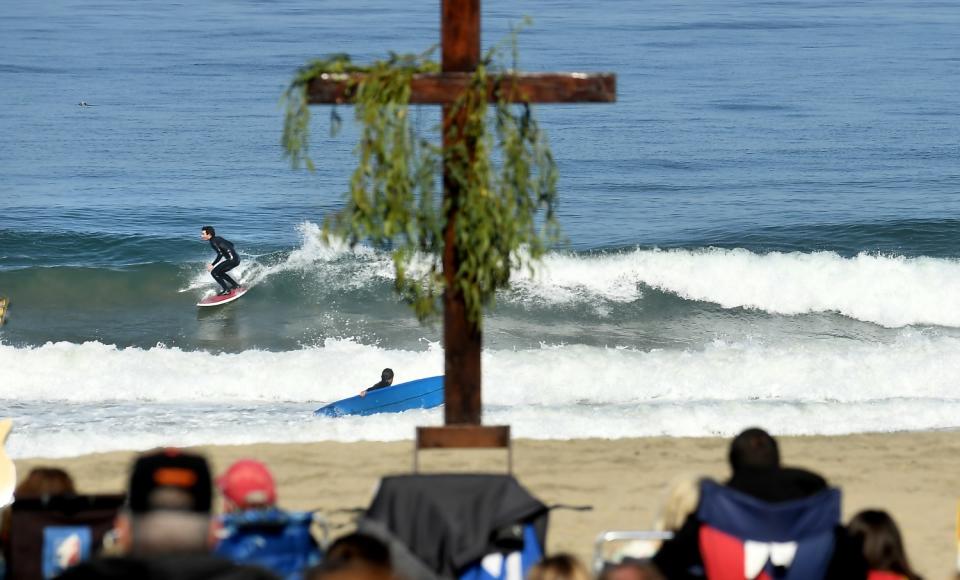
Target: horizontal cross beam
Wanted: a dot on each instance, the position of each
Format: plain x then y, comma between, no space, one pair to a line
463,436
444,88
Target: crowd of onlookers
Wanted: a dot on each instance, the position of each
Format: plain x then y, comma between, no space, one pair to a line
766,521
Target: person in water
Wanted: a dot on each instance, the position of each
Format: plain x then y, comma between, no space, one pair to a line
227,253
386,379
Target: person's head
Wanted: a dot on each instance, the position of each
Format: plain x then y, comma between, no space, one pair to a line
39,482
882,544
754,449
559,567
168,505
207,232
247,484
44,481
354,557
631,570
680,500
387,375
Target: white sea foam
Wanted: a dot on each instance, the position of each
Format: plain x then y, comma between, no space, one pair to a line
887,290
69,398
312,253
94,371
891,291
74,435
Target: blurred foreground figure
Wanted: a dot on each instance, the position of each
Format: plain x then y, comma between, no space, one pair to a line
165,529
253,530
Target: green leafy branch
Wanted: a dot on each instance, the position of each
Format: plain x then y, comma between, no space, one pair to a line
506,177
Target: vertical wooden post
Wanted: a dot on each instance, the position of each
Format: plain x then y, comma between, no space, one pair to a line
462,339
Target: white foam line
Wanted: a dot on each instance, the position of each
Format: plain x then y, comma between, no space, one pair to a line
913,365
701,419
891,291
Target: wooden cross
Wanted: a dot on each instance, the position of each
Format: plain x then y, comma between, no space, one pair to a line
462,340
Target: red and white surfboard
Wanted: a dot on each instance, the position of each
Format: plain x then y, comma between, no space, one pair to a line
218,299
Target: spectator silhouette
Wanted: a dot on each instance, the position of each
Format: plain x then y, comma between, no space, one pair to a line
630,570
882,546
247,485
255,531
39,482
755,461
754,458
354,557
680,499
559,567
165,530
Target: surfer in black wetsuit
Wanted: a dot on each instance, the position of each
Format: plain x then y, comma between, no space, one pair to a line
227,253
386,379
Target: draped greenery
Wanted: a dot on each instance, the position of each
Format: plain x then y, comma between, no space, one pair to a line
501,161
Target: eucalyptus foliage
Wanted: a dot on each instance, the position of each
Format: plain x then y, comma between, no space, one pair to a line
501,161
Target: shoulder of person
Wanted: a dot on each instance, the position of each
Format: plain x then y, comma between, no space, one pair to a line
807,479
181,566
209,566
244,572
107,568
847,562
680,557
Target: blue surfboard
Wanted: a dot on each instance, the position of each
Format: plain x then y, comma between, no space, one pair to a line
419,394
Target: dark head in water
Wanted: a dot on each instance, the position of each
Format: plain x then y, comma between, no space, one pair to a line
387,376
207,232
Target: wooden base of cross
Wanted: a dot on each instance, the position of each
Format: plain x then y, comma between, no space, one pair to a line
463,437
462,340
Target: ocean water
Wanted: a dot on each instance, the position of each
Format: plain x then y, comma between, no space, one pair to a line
763,230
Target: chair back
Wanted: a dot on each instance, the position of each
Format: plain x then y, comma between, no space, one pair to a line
742,537
50,534
469,526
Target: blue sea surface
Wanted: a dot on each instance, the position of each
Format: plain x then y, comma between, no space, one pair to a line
777,184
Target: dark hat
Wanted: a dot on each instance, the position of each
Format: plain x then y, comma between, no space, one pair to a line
170,479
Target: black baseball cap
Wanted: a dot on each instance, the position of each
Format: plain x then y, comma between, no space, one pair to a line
170,479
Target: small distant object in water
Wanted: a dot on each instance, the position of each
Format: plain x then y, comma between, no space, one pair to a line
85,104
4,306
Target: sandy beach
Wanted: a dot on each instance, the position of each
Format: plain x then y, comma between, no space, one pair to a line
908,474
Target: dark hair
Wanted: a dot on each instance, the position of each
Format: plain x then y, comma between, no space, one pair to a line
754,448
208,230
642,568
39,482
43,481
354,551
882,544
559,567
387,374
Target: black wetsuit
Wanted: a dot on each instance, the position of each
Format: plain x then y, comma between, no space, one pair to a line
380,385
231,260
